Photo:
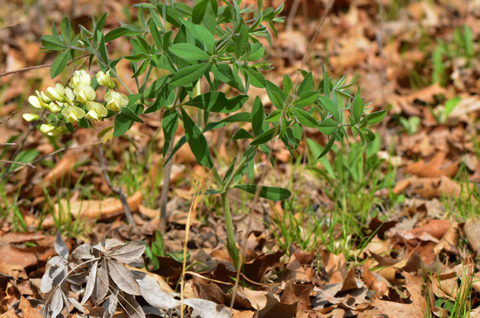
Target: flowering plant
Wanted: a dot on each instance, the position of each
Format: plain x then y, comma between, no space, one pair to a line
220,46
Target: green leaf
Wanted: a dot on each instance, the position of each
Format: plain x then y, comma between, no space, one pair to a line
270,193
25,156
376,117
130,114
358,106
169,125
99,27
188,52
258,116
327,126
241,42
121,31
307,98
241,134
53,43
306,85
206,37
275,94
287,84
256,52
141,69
189,74
238,117
217,102
157,37
102,48
451,104
122,125
154,89
328,146
59,64
196,140
66,30
266,136
304,118
256,78
274,116
330,106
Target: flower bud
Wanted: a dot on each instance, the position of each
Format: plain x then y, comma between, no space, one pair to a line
30,117
116,101
46,128
58,131
73,113
95,111
84,93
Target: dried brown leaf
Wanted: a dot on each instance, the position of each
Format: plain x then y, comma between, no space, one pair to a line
123,278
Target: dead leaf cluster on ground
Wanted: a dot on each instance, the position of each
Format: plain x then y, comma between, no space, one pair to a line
386,232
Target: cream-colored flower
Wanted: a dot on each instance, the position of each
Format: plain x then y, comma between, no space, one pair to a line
116,101
30,117
57,93
69,95
36,102
79,78
58,131
54,108
73,113
42,96
46,128
84,93
95,111
105,80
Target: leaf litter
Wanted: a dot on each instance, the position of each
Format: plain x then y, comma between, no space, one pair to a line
416,258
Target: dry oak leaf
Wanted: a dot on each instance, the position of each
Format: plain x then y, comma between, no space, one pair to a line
434,168
416,309
449,242
472,232
102,209
27,310
9,314
335,266
430,188
380,287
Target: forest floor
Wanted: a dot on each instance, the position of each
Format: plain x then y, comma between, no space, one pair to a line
389,230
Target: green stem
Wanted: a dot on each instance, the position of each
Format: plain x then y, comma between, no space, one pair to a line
231,242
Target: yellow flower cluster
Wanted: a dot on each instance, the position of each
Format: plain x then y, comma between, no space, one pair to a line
69,101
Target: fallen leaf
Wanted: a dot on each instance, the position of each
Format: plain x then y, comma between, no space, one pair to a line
335,266
434,168
472,232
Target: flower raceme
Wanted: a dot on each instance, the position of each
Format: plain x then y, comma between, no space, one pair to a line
74,102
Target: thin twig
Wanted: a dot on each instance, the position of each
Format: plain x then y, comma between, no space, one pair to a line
7,144
118,191
39,66
8,118
18,163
